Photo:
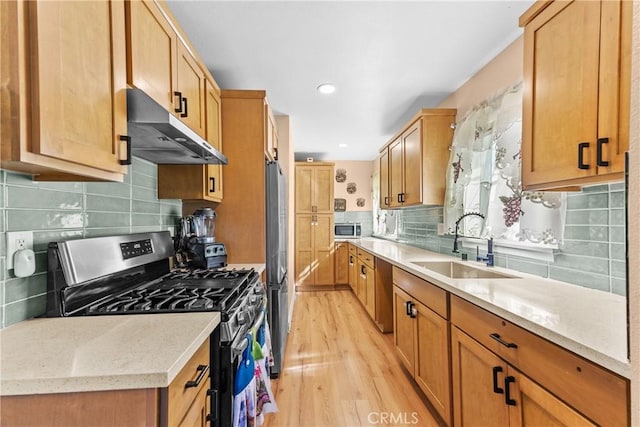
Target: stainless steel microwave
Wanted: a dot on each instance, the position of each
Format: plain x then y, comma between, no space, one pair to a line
347,230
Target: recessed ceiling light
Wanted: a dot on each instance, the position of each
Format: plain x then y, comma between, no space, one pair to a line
342,145
326,88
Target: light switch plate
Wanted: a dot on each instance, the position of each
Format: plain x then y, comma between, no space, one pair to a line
441,229
13,237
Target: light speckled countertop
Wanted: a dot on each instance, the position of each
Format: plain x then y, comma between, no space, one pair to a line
588,322
91,353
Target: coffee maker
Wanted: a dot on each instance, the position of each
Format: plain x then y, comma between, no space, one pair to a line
197,240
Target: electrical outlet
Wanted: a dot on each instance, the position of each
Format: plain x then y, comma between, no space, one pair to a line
441,229
17,240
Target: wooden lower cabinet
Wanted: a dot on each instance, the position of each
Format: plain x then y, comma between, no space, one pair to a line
342,263
489,391
370,279
353,268
176,405
366,288
421,338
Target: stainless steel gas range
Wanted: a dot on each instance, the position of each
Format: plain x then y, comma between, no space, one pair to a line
130,274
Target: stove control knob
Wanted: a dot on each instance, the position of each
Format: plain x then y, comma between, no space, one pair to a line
242,317
257,290
253,300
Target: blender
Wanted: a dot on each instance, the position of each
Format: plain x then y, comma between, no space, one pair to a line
202,249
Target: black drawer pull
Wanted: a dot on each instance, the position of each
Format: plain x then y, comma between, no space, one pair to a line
581,148
507,397
413,313
599,161
407,306
202,369
496,389
178,95
496,337
214,405
212,180
386,201
363,270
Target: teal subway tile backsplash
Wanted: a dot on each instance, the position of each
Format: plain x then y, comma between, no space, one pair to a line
56,211
591,255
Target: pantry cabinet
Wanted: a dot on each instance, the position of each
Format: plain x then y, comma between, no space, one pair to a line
197,183
342,263
314,188
63,93
314,259
421,337
163,65
577,64
413,164
509,376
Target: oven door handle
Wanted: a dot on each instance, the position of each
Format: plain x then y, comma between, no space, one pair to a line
239,347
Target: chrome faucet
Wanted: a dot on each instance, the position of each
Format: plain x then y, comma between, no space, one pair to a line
489,258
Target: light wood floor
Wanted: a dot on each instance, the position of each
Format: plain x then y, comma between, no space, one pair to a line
339,370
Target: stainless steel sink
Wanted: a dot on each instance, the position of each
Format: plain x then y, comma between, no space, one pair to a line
457,270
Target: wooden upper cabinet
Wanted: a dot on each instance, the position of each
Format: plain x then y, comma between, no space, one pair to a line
163,65
384,179
64,89
577,86
213,125
314,188
415,160
152,51
271,141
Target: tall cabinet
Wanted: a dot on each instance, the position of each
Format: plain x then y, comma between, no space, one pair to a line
241,220
314,224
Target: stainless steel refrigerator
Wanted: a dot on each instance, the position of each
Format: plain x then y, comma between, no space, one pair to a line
278,311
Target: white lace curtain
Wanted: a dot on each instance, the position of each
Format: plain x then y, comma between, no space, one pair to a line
484,176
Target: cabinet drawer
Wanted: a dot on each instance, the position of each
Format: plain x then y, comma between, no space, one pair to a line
592,390
182,397
353,250
428,294
366,258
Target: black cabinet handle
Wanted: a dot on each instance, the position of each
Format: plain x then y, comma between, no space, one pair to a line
350,259
496,389
185,111
507,397
202,372
496,337
407,306
126,138
581,148
599,161
386,201
275,153
363,270
412,310
178,95
214,405
212,180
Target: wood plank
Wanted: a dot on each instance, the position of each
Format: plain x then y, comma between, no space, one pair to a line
339,370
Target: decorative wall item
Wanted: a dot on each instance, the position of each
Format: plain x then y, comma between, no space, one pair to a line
341,175
360,202
356,174
339,205
351,188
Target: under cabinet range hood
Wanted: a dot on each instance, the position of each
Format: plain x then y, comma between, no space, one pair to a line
160,137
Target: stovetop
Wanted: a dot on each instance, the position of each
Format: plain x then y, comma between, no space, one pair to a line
178,291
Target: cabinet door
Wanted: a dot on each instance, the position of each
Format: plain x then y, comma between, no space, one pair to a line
353,273
271,142
214,137
342,263
403,329
323,245
412,146
534,406
190,85
432,370
560,108
384,179
78,82
196,415
305,269
474,369
151,52
370,290
396,173
304,189
323,189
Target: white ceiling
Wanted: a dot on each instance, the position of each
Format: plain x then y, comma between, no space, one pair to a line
386,58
